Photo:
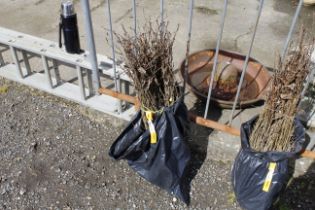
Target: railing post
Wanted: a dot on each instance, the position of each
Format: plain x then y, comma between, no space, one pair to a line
16,61
81,82
89,81
261,4
308,80
91,45
1,60
56,72
134,14
191,9
292,27
116,77
26,63
47,72
162,11
217,49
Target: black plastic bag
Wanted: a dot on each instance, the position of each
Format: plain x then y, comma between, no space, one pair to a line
164,162
259,177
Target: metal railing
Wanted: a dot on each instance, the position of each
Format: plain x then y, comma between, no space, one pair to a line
204,121
93,67
217,49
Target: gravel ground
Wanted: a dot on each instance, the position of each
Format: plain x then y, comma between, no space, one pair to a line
53,155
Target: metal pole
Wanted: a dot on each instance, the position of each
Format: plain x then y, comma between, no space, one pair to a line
16,61
308,80
162,11
26,63
81,82
89,81
294,21
47,72
56,72
119,103
126,87
1,60
117,86
217,49
261,4
191,7
91,44
134,12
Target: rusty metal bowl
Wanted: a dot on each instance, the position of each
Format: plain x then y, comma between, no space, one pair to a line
254,87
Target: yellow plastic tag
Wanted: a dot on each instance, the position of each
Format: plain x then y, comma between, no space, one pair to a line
268,180
153,135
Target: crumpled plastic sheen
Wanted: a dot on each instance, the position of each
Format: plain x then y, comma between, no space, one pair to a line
251,168
164,162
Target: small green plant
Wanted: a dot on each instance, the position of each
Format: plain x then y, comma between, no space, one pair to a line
231,198
4,89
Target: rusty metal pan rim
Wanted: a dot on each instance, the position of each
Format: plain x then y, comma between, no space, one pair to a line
223,103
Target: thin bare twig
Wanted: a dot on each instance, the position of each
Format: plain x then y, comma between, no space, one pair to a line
149,63
274,128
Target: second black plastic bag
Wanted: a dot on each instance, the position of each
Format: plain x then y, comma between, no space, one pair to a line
164,162
259,177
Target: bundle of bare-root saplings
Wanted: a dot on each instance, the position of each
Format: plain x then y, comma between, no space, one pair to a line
268,141
153,142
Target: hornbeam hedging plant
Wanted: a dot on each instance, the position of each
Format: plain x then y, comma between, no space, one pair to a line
274,128
149,63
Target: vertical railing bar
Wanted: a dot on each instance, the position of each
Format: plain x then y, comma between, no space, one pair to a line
1,60
91,45
217,49
89,81
191,7
56,72
81,82
134,13
26,62
16,61
308,80
292,27
126,87
46,69
116,77
261,3
119,111
162,12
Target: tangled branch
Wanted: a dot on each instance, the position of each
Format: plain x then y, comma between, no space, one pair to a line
149,63
274,128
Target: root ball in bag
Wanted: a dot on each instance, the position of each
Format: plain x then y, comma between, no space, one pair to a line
153,143
269,140
149,63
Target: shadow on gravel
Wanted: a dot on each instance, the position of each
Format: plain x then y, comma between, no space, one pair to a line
197,141
300,191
